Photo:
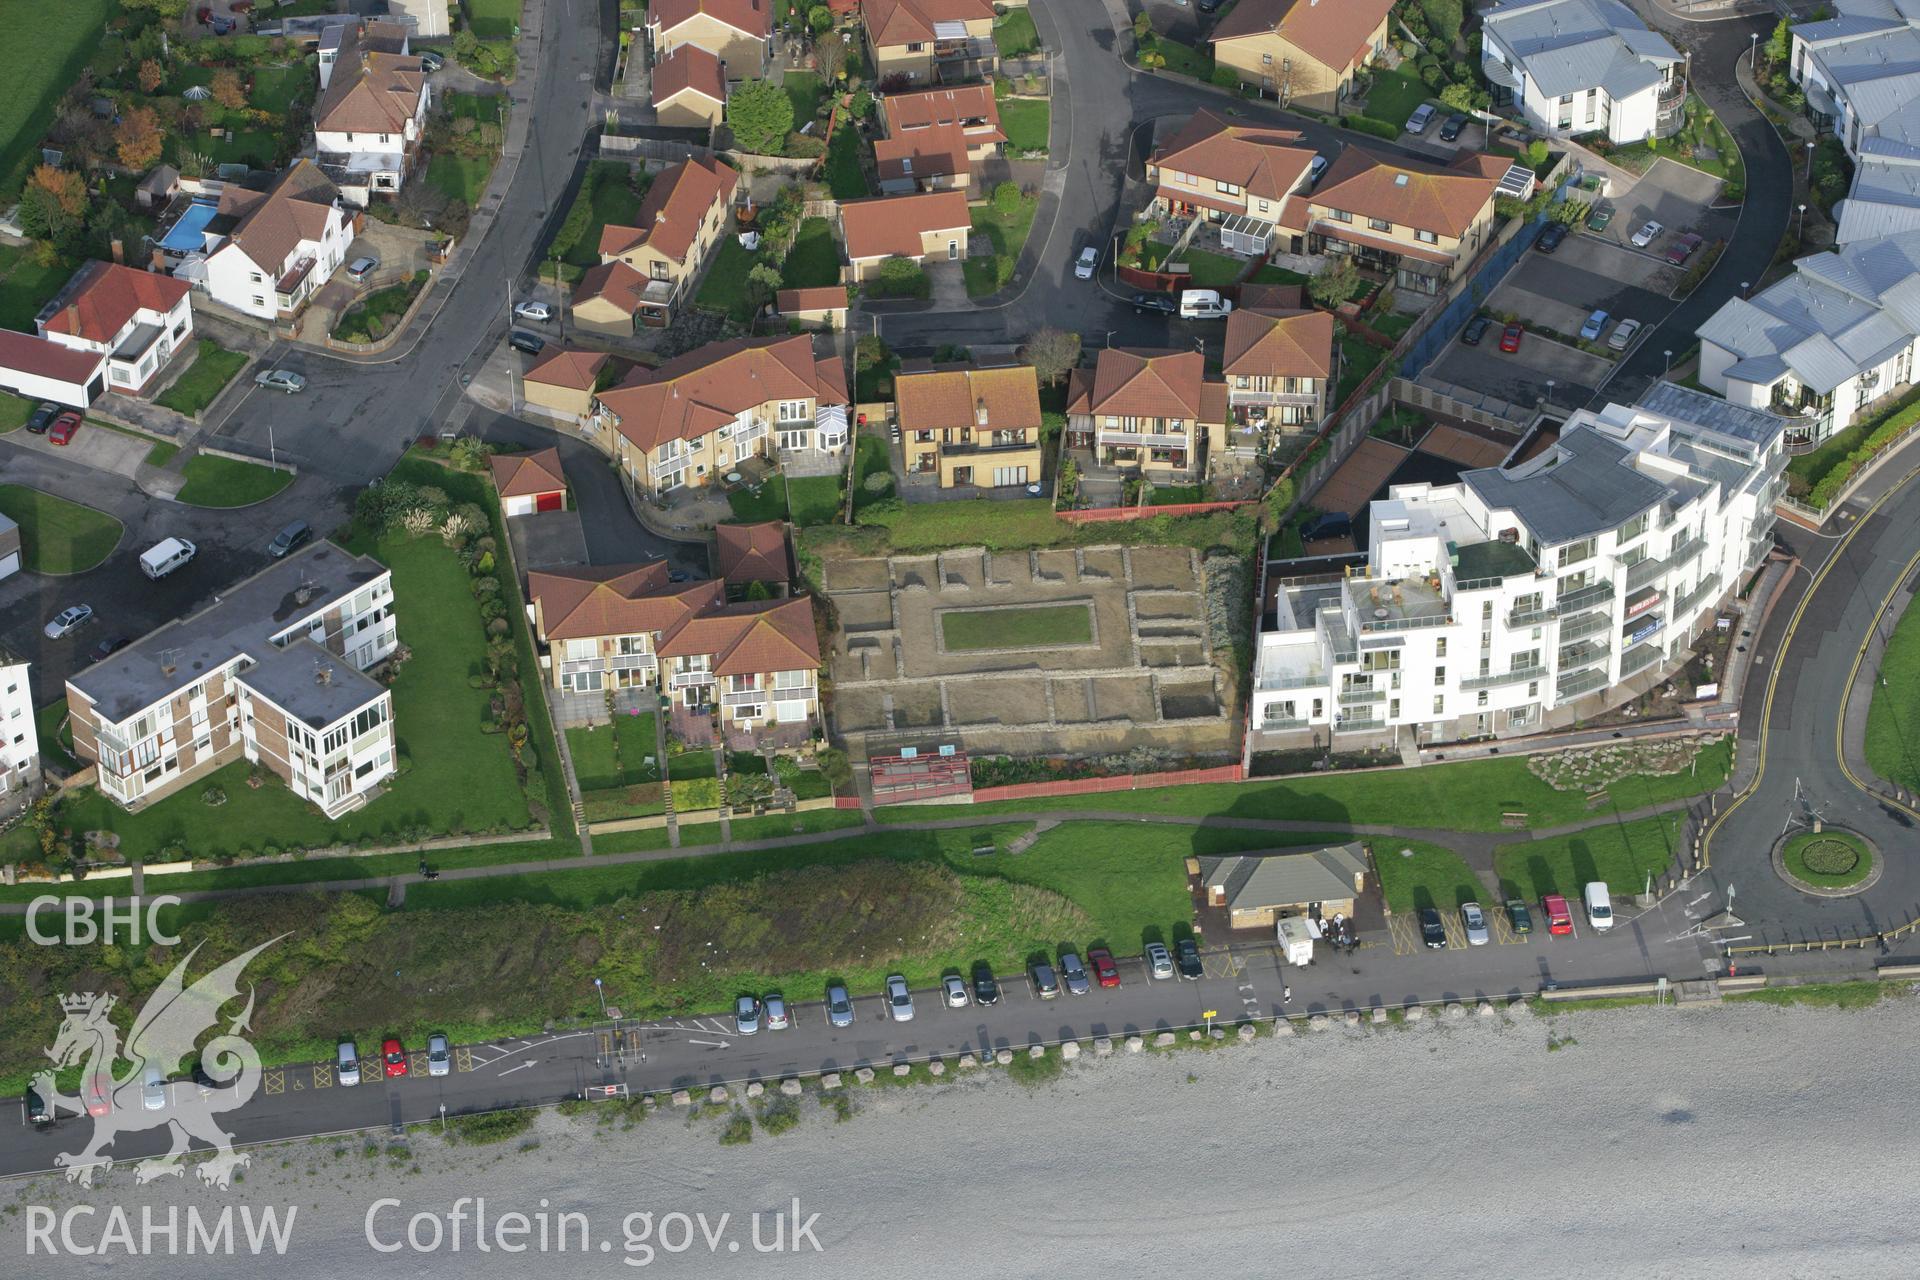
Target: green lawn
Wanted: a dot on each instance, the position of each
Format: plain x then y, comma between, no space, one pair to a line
814,259
1414,875
1270,274
871,459
1812,467
615,755
14,412
805,91
1391,324
56,745
229,482
484,107
28,287
1357,359
1181,58
374,316
1014,36
257,148
1394,96
612,199
212,369
845,177
725,288
39,59
1025,120
1213,270
1622,855
1043,626
276,89
1822,859
493,19
816,499
1009,236
1893,718
769,502
461,178
58,536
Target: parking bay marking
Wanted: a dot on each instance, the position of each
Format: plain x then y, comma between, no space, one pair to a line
275,1080
322,1076
1405,941
463,1059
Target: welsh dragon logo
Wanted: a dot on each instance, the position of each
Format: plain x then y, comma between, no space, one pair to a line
165,1033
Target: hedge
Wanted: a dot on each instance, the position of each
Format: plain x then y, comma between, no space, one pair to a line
1378,128
1897,425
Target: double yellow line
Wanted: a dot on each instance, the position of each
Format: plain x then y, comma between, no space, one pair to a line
1779,663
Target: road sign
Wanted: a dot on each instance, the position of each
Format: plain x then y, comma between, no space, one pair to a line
1211,1013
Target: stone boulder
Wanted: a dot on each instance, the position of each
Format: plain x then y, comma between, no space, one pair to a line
936,1068
1036,1051
1415,1012
1163,1040
1070,1050
681,1098
1318,1022
1134,1044
831,1080
968,1062
902,1069
717,1094
1455,1012
1003,1056
864,1075
755,1089
1485,1009
1247,1032
790,1087
1379,1015
1103,1046
1283,1026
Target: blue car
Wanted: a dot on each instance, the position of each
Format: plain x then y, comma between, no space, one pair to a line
1595,326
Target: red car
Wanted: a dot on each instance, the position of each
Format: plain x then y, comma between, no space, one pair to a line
1682,249
1559,918
396,1057
99,1097
63,428
1104,969
1510,338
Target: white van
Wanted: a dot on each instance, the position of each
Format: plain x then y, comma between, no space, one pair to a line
1599,905
1203,304
163,558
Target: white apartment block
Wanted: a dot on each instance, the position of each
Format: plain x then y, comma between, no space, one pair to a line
1583,66
19,740
1524,598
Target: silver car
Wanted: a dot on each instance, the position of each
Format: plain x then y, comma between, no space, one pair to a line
67,619
153,1088
746,1015
280,380
839,1007
1087,263
1159,961
439,1057
1074,974
899,999
776,1007
955,991
346,1068
1475,921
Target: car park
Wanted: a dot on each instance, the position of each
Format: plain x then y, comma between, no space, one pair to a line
839,1007
288,538
775,1008
1476,329
1519,917
1074,974
360,268
1155,303
1551,237
1595,326
1186,954
64,428
1432,931
1085,264
439,1055
1454,126
1510,338
1683,248
1474,921
280,380
1422,117
899,999
985,989
1623,335
536,311
1599,216
346,1064
66,620
1159,961
1105,971
1599,904
1559,918
153,1087
746,1016
1045,984
1647,234
43,415
99,1094
394,1056
531,343
108,647
954,988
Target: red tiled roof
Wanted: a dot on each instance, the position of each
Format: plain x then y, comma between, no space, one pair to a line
883,226
1423,196
1275,344
753,17
670,216
902,112
106,295
615,600
688,68
1267,163
937,151
708,387
826,297
614,281
752,552
527,475
932,399
575,370
1140,383
29,354
754,637
1332,32
891,22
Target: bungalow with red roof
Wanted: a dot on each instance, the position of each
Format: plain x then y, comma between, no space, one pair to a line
931,226
689,88
683,216
1302,52
748,553
1147,411
136,319
562,381
737,32
529,482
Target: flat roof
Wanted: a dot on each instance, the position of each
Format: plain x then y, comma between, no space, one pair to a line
310,682
1491,559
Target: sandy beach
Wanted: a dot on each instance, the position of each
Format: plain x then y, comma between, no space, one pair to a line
1748,1141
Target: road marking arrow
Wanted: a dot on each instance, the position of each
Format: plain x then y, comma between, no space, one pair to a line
522,1067
716,1044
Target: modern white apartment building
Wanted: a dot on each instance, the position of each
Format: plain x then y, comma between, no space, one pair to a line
1526,597
1583,66
273,670
19,741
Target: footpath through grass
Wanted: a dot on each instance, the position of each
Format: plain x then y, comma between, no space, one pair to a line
1893,718
58,536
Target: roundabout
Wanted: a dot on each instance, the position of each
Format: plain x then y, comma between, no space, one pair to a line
1833,863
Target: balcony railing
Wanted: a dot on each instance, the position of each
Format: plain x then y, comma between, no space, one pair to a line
1582,682
1585,654
1686,552
1494,680
754,430
1532,614
1284,722
688,679
1143,439
1413,623
1584,597
1585,624
1238,396
975,447
1292,682
615,662
1639,659
1359,696
1694,598
1648,570
666,466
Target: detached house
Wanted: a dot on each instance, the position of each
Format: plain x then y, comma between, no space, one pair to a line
1415,223
700,415
935,137
280,247
1248,176
372,112
1583,66
1279,370
970,426
684,213
1302,51
136,319
931,226
1148,411
737,32
931,41
689,88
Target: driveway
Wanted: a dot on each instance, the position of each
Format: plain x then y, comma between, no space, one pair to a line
1674,196
100,448
1522,378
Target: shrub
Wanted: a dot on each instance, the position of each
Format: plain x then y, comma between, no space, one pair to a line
1006,199
738,1130
1225,78
1367,125
760,114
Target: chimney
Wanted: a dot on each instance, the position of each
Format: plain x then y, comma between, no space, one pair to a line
980,411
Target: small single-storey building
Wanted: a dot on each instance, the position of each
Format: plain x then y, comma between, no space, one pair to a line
607,299
744,554
529,482
1257,889
561,382
930,226
35,369
10,555
824,305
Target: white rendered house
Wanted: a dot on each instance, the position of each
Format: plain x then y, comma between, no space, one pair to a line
281,246
1583,66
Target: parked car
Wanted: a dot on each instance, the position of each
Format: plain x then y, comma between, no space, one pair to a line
839,1007
746,1016
1422,117
1599,216
1161,303
1476,329
1551,237
1432,931
1045,984
954,988
1595,326
1316,167
431,62
346,1064
1647,234
99,1094
38,1113
1519,917
775,1007
288,538
280,380
985,989
1159,961
1074,974
108,647
360,268
67,619
1623,334
1510,337
1453,127
1186,954
43,415
222,25
64,428
153,1087
1328,524
531,343
166,555
1474,921
1105,971
1085,265
394,1056
1559,918
1683,248
439,1055
1599,904
536,311
899,999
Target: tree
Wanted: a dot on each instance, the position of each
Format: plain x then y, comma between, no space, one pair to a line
760,113
830,56
227,89
1142,25
1006,199
165,8
1570,212
1335,285
820,18
1536,154
1779,46
900,277
1444,19
137,140
1457,96
1279,501
757,590
1052,353
152,74
763,281
54,207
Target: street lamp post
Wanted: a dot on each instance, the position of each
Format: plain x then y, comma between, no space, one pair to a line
1669,368
1803,223
601,991
1753,53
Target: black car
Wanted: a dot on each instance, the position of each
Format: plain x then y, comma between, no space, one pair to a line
679,575
521,340
1476,329
108,647
1186,958
1208,6
1432,932
985,989
1550,238
1328,524
1452,128
1164,303
36,1106
43,417
289,538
